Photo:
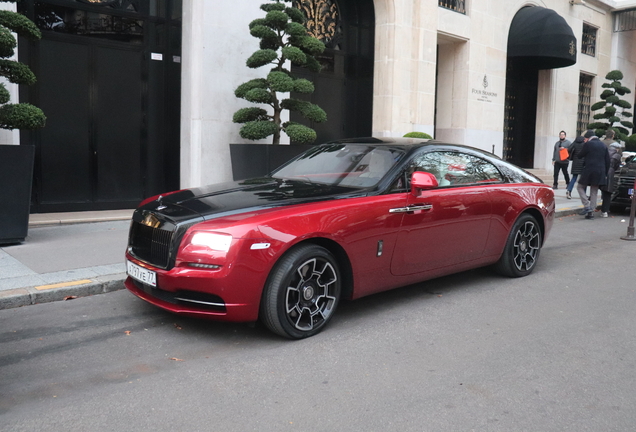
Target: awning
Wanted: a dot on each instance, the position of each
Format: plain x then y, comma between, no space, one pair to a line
540,38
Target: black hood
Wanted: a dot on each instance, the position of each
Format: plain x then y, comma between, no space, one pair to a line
224,199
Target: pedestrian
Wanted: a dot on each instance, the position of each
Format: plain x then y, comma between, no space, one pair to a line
594,172
615,154
577,163
561,160
609,137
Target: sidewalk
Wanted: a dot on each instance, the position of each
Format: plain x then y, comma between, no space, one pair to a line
68,255
65,255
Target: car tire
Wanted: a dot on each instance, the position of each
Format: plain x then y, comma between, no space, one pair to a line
522,248
302,292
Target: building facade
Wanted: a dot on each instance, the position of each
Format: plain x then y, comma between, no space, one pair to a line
501,75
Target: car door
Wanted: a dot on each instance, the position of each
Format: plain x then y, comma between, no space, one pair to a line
448,225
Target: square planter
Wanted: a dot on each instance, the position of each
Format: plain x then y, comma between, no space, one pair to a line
258,160
16,177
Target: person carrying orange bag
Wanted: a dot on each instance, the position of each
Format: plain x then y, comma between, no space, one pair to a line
560,159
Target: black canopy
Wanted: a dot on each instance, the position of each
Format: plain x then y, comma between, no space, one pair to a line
540,38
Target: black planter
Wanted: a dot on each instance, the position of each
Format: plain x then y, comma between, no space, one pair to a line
16,175
256,160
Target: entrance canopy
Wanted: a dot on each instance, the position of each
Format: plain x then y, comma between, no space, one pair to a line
540,38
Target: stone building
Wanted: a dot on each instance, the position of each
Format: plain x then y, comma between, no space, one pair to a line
153,105
439,66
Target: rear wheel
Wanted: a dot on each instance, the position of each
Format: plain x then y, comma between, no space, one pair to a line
522,248
302,292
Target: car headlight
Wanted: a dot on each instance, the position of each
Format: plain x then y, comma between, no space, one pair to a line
213,241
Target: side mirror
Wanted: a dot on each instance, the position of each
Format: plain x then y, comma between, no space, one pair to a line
422,181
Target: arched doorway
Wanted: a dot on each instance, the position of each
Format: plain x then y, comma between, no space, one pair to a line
539,38
344,87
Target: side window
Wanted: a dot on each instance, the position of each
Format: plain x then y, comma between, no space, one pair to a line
455,168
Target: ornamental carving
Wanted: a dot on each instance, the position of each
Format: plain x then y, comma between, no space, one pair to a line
322,18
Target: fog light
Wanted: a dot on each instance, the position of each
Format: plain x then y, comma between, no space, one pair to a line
204,266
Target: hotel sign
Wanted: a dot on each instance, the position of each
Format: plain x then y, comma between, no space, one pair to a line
484,95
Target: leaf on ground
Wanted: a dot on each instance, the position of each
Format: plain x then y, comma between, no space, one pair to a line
175,359
70,298
177,326
127,332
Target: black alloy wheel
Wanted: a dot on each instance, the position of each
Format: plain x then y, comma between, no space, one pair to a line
522,248
302,292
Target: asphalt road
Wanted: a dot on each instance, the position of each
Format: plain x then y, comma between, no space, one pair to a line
472,352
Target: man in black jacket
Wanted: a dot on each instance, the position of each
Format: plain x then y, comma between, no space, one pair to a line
559,163
594,172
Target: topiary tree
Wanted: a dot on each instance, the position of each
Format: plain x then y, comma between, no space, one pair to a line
614,108
630,143
283,38
20,115
421,135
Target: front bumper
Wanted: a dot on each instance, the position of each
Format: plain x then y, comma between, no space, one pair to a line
218,295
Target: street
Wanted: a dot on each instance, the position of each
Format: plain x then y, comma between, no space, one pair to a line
471,352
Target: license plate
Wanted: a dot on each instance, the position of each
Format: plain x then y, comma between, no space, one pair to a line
630,192
141,274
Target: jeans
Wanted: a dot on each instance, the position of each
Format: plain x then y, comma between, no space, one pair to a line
575,177
561,167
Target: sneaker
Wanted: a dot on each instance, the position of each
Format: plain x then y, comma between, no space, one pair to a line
584,212
604,214
568,195
590,215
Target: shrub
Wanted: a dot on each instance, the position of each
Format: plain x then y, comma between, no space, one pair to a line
630,143
420,135
21,115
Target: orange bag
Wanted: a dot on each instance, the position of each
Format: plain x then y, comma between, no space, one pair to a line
563,154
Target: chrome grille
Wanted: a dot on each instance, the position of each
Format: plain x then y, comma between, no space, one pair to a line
151,245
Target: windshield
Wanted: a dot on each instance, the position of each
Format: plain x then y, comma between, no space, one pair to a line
354,165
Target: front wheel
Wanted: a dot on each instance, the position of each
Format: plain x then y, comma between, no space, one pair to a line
522,248
302,292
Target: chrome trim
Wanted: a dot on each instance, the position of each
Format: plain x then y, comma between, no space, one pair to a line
411,208
200,302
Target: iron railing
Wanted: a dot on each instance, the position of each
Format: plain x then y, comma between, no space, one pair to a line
454,5
588,43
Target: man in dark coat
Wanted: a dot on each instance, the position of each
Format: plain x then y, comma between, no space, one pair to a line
577,164
606,191
594,174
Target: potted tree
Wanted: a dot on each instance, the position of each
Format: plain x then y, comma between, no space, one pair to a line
283,40
614,109
16,161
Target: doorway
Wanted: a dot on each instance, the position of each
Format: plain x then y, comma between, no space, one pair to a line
344,87
109,83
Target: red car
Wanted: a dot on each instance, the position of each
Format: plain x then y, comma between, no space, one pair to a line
343,220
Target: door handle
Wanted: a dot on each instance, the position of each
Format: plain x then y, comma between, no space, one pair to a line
411,208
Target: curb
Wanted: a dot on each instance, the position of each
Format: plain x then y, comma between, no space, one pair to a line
31,295
567,212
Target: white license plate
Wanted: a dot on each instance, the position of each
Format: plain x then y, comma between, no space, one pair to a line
630,192
141,274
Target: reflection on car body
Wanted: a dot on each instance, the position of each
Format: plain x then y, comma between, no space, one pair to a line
343,220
